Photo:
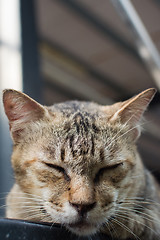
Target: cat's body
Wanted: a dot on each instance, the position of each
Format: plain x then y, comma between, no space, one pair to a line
76,163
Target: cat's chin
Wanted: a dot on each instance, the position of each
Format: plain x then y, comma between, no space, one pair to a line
82,228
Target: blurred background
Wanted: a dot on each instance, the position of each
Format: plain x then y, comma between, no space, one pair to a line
104,51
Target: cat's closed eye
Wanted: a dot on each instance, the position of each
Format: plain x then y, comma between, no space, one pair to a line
104,169
59,169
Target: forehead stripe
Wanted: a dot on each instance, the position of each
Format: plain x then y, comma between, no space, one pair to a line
93,145
62,154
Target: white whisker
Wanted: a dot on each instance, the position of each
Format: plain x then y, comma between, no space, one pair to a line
132,219
144,215
126,228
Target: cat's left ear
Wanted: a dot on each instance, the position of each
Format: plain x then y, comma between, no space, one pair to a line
21,110
132,110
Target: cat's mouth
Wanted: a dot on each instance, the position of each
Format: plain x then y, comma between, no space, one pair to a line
78,224
82,227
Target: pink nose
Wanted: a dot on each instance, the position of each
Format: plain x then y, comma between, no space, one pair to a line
82,209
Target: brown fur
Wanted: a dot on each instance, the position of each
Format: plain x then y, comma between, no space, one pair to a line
76,163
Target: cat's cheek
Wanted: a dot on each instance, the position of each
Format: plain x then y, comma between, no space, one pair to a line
61,213
70,213
57,206
106,194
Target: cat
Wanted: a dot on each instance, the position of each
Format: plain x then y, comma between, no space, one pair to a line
76,163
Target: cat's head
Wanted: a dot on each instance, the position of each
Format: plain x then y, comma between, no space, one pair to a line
76,159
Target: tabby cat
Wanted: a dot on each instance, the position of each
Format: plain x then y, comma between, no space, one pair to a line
76,163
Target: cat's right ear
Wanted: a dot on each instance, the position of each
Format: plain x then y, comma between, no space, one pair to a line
130,112
20,110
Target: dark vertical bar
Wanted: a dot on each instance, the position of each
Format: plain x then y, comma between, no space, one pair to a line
32,84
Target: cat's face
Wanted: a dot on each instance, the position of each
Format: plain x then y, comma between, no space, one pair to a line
80,160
